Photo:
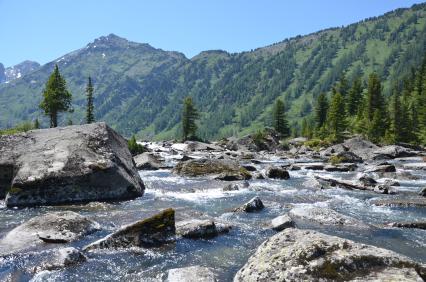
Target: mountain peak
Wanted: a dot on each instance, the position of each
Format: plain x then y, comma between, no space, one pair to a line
114,41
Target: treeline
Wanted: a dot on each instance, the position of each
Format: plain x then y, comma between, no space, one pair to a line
363,109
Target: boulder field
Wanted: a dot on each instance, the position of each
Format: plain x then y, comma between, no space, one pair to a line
66,165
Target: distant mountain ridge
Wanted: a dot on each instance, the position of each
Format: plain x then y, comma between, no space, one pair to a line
17,71
139,88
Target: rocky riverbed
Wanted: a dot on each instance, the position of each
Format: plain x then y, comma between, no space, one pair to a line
228,198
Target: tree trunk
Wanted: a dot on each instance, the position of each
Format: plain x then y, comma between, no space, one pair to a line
53,120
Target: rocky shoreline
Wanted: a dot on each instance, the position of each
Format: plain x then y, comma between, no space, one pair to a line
88,156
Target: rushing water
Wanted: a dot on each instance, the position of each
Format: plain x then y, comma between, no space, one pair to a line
204,198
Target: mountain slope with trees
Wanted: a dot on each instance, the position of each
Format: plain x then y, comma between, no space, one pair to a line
140,89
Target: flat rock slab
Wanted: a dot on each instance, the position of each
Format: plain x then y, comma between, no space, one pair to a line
147,161
306,255
191,274
60,227
66,165
282,222
153,231
325,216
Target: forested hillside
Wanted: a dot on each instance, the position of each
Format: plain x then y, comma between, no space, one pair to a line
140,89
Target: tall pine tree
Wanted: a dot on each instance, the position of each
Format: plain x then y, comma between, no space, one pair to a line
279,119
321,110
336,117
89,94
189,116
354,97
56,97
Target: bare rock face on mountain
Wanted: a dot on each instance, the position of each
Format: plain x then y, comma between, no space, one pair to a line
64,165
306,255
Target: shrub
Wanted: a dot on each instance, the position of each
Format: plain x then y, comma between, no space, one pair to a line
134,147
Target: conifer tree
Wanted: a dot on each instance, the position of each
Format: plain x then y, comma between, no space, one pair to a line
189,116
279,119
395,131
336,117
321,110
354,97
56,97
89,110
343,86
375,99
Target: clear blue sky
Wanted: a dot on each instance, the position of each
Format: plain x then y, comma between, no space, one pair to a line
43,30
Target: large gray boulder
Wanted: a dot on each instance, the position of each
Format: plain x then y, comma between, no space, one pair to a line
222,169
54,227
147,161
392,152
65,165
153,231
306,255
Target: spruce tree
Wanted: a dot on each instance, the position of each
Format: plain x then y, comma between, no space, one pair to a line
321,110
395,131
343,86
89,110
189,116
336,118
56,97
354,97
375,100
279,119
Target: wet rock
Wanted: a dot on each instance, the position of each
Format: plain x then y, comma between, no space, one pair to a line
61,227
200,229
360,147
61,258
253,205
348,157
282,222
415,166
259,176
401,202
367,180
346,184
295,167
191,274
297,141
341,167
185,158
277,173
423,192
306,255
392,152
384,189
147,161
414,224
225,169
153,231
81,163
383,168
325,216
250,168
231,187
311,166
195,146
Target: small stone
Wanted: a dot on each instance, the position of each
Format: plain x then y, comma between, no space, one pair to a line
277,173
253,205
282,222
231,187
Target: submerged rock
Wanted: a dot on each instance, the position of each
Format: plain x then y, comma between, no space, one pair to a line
152,231
67,164
225,169
277,173
231,187
384,189
325,216
62,258
383,168
367,180
346,184
282,222
54,227
306,255
147,161
253,205
401,202
200,229
191,274
414,224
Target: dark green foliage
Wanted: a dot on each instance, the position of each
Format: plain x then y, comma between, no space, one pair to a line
375,114
189,116
56,97
336,117
134,147
321,110
89,108
280,120
354,97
